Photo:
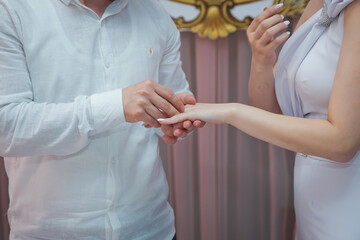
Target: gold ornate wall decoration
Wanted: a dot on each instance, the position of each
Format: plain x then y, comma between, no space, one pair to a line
215,18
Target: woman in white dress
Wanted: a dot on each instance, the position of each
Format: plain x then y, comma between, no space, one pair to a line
311,106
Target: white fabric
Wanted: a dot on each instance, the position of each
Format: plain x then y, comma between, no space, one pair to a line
76,169
327,193
314,96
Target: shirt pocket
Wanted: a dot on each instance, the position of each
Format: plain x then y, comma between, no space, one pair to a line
140,63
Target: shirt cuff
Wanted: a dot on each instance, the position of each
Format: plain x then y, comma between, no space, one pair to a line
107,110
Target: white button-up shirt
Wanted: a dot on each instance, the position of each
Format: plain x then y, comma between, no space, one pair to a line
76,169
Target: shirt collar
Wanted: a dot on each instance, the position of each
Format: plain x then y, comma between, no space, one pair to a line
67,2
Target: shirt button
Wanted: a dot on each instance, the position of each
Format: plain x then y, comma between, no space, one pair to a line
107,64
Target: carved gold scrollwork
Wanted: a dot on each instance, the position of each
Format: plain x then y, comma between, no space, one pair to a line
215,19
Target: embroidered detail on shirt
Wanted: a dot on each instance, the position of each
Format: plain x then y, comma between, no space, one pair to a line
151,52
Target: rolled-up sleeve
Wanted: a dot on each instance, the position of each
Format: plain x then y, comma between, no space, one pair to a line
29,128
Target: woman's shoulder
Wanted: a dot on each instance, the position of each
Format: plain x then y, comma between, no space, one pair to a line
312,7
352,18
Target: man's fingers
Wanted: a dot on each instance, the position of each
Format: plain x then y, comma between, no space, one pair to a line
172,99
150,121
179,130
168,130
188,125
180,133
169,140
199,123
154,112
186,98
163,105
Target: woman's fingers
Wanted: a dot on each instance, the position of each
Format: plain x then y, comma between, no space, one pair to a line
266,25
279,40
200,113
264,15
265,35
269,34
174,119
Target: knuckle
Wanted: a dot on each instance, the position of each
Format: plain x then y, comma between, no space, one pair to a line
268,33
138,114
140,102
143,92
170,95
263,25
148,82
166,107
251,38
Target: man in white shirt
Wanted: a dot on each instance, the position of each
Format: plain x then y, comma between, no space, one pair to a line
76,111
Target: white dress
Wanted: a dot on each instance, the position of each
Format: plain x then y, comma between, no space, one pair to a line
327,193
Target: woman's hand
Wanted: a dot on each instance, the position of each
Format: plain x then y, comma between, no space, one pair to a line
264,35
210,113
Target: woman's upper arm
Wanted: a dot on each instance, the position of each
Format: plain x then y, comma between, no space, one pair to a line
344,105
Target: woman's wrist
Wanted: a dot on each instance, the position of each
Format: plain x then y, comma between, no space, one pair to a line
263,66
229,112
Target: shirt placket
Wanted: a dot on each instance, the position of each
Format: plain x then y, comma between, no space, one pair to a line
107,60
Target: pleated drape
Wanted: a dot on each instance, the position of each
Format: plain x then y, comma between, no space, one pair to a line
4,202
225,184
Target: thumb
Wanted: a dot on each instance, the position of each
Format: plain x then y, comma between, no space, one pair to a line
186,98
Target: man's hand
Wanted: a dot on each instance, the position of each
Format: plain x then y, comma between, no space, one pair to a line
147,101
181,130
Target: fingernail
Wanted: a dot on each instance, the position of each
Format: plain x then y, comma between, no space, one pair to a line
278,6
161,119
287,22
288,33
282,16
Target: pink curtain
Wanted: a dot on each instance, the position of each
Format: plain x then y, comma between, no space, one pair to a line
223,183
4,202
